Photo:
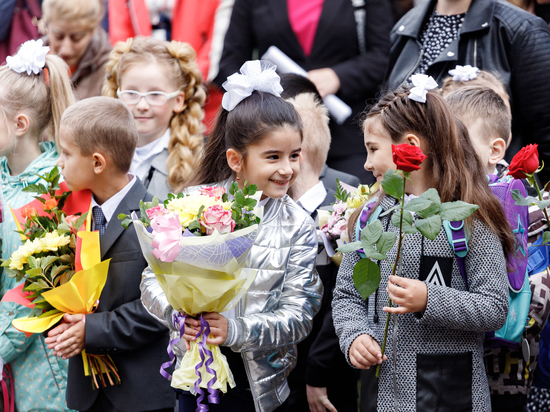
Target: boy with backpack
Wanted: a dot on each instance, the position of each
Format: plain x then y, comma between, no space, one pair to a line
509,364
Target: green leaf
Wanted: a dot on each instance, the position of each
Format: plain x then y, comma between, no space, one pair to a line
387,212
543,204
35,312
366,277
49,313
36,188
417,204
195,224
126,223
225,197
250,203
371,233
407,222
372,253
252,189
47,261
386,242
393,184
521,200
122,216
429,227
456,211
349,247
341,193
233,188
546,238
239,198
63,228
431,194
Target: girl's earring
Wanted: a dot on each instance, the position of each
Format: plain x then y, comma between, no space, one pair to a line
238,178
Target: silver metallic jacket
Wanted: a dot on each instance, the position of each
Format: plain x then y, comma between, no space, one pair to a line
278,309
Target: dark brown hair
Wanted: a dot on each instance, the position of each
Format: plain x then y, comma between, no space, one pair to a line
249,122
479,102
452,163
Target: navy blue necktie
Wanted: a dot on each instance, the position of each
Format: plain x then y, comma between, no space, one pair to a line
99,220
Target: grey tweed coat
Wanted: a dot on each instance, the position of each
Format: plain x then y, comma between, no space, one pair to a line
435,358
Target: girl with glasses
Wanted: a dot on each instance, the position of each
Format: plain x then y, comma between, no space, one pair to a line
161,84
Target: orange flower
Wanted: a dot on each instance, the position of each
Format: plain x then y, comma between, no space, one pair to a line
50,204
28,212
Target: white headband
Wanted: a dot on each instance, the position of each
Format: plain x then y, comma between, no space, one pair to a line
256,75
464,73
30,58
422,84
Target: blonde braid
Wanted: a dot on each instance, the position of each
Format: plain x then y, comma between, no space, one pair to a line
186,136
111,83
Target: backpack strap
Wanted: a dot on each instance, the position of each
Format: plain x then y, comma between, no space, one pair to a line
9,397
457,239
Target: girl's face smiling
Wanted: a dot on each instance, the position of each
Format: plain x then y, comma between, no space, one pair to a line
272,164
151,121
379,153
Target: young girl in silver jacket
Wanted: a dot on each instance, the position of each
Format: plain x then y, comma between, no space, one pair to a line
258,140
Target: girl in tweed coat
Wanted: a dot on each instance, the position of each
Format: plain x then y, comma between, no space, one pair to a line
434,354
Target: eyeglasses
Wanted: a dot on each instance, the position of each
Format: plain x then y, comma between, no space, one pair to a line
153,98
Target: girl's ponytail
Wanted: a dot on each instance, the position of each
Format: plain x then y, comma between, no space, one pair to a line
186,135
61,93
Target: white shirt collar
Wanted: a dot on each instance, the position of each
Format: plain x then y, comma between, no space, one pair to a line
110,205
311,199
144,155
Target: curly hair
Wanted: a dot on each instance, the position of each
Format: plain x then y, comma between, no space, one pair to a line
186,128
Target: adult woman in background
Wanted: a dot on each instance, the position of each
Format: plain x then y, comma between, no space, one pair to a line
74,33
322,37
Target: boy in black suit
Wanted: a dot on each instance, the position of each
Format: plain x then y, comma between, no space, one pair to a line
98,137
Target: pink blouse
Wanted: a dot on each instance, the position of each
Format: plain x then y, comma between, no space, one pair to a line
304,18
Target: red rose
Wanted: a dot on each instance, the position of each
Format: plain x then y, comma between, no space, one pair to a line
407,157
525,162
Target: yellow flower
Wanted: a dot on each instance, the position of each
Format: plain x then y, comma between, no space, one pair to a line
188,207
53,241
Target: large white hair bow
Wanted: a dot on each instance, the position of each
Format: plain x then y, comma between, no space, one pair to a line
464,73
30,58
422,84
255,75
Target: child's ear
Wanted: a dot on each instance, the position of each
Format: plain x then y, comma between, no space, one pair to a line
412,139
234,160
498,149
100,163
180,103
22,124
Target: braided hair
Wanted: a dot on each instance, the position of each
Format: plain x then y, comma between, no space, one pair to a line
186,129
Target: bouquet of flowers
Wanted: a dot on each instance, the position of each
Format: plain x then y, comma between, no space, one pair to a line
61,264
333,224
197,245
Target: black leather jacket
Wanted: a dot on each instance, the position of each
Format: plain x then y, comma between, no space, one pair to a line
498,37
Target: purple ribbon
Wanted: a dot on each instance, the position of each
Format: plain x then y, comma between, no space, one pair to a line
178,320
206,360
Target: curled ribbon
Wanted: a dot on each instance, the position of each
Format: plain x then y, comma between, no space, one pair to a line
206,360
167,236
178,320
422,85
255,75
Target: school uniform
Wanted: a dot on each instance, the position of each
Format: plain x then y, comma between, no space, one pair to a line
435,357
121,327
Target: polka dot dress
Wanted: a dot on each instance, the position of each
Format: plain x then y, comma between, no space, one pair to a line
437,35
538,399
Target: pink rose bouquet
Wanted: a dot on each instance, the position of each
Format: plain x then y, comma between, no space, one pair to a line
197,245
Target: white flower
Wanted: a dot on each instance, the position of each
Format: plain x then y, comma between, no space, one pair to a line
256,75
422,84
464,73
30,58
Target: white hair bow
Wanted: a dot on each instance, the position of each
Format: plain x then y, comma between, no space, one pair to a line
422,84
30,58
256,75
464,73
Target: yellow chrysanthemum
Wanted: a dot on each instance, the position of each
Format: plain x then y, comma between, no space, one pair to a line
188,207
53,241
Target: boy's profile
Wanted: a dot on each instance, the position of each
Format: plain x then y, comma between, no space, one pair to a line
487,118
98,137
